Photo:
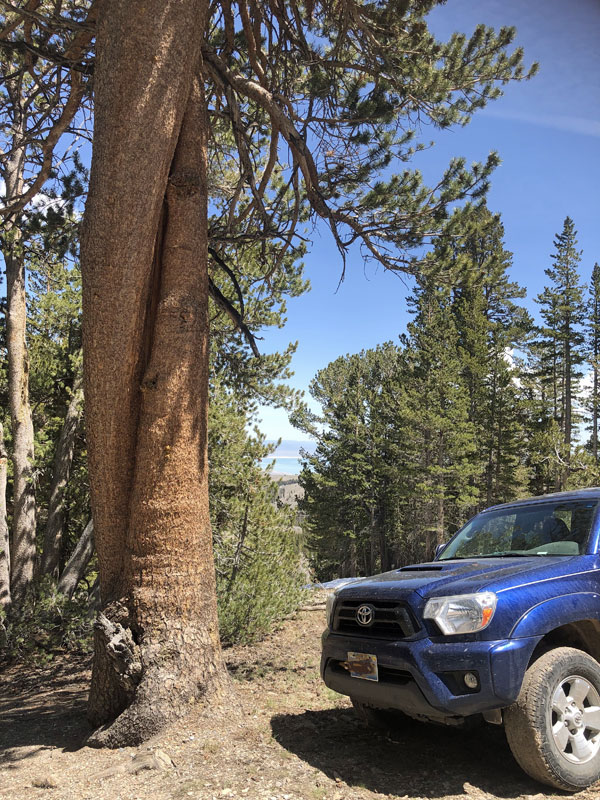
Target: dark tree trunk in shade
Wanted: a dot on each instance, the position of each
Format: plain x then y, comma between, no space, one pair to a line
24,511
76,565
4,533
53,535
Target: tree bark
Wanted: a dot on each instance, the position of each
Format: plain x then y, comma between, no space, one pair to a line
63,458
4,535
75,567
145,312
489,477
24,515
24,512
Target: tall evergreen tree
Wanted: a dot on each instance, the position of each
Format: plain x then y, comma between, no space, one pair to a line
444,434
593,346
40,95
346,484
489,324
430,432
563,310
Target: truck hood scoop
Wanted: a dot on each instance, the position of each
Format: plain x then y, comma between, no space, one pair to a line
421,568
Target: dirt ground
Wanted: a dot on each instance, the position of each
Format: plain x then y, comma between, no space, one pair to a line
290,738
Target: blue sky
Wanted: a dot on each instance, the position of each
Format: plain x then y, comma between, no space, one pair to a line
547,132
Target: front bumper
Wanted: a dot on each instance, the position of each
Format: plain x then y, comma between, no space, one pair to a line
413,674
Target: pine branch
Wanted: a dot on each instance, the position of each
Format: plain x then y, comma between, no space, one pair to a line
224,303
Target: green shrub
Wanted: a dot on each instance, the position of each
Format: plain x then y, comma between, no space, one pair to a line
46,625
257,547
258,567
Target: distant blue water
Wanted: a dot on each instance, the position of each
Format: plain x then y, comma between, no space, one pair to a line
290,466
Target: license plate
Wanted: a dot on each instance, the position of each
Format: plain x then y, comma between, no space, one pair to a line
362,665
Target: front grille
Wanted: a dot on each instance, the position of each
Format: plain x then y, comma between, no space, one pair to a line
392,620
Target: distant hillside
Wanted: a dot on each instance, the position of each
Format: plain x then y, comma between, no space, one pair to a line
290,448
289,491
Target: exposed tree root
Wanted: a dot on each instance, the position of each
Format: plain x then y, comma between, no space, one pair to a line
180,672
153,710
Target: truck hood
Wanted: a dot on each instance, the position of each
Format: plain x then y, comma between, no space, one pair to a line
450,577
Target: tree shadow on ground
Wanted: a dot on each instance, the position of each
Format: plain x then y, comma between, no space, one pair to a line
417,760
45,709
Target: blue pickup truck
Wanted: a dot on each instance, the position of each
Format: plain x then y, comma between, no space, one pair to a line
502,626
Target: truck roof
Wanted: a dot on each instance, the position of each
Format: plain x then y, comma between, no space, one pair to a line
593,493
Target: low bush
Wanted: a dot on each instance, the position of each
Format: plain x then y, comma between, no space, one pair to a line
46,624
258,561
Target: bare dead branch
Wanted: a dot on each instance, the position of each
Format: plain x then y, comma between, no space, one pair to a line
234,314
217,258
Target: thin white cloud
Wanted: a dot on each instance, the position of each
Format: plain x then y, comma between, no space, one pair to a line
41,201
558,122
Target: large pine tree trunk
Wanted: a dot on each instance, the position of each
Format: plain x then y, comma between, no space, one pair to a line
373,541
145,305
567,379
24,513
63,458
4,536
440,536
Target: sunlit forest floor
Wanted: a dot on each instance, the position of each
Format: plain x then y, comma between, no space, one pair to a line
287,737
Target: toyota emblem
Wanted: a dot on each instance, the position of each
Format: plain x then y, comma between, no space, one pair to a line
365,615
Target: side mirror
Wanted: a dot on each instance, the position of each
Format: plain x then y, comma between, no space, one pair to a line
439,550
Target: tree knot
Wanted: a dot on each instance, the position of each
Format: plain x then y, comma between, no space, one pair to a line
185,182
116,636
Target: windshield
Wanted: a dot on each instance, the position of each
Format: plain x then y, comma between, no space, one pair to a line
545,529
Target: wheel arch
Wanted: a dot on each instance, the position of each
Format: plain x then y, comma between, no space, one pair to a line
583,634
572,620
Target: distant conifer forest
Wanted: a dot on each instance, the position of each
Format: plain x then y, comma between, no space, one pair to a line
477,404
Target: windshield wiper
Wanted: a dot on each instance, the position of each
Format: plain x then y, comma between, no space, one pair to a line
510,554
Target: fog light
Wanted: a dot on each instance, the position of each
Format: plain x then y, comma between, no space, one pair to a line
470,680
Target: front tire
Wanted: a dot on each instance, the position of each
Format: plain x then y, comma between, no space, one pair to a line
553,729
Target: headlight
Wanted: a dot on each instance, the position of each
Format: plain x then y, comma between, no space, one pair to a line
329,608
462,613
